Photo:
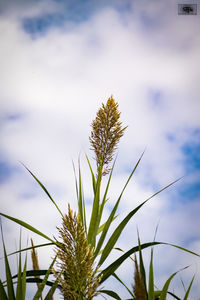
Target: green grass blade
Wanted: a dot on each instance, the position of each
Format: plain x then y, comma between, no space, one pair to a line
92,174
163,294
157,294
111,294
3,295
19,293
39,280
44,189
142,269
24,280
49,296
33,273
114,237
29,248
115,265
151,279
151,292
29,227
93,227
116,277
183,284
106,192
181,248
42,285
189,288
101,228
173,295
80,195
165,288
116,234
112,215
81,202
103,225
119,249
10,288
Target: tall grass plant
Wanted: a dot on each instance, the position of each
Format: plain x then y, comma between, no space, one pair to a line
85,245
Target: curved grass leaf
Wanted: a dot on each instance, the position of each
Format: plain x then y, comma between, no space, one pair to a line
119,249
3,295
105,193
103,225
19,294
29,227
188,290
116,234
173,295
21,280
39,280
151,279
115,265
10,288
158,293
49,296
33,273
110,219
116,277
44,189
24,279
166,285
142,269
114,237
111,294
29,248
93,227
92,173
181,248
44,281
81,201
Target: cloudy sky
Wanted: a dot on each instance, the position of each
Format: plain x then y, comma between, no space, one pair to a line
59,60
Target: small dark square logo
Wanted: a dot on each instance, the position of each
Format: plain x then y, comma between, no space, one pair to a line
187,9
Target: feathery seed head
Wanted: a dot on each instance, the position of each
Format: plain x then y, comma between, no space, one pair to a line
106,133
138,287
75,261
35,262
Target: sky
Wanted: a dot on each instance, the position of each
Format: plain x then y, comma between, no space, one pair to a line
59,61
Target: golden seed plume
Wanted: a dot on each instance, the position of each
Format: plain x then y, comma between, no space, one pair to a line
106,133
79,280
138,287
35,262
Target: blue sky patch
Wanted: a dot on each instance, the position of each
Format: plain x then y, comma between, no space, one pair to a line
170,137
155,97
5,171
191,152
191,163
40,25
190,191
71,11
13,117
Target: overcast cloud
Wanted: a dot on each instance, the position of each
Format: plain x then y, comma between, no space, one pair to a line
59,60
